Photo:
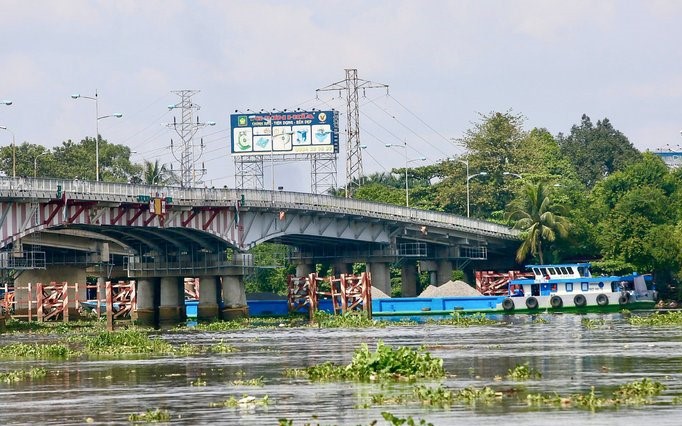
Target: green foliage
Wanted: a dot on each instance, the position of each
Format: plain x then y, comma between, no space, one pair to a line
123,342
150,416
522,372
357,319
597,151
222,348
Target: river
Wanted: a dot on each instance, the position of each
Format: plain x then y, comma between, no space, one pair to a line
571,357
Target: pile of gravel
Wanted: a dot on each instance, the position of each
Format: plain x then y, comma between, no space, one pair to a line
378,294
450,288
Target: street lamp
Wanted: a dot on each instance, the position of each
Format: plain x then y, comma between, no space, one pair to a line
513,174
407,187
469,177
35,163
97,119
14,148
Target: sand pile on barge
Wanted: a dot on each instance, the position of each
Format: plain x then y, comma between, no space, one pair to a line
378,294
450,288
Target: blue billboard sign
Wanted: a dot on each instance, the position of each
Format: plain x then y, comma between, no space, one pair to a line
286,132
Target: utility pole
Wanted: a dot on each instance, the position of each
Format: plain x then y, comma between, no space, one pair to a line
184,152
352,85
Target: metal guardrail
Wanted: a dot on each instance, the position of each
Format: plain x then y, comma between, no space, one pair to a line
23,188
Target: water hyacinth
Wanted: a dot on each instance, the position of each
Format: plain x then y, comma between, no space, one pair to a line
386,363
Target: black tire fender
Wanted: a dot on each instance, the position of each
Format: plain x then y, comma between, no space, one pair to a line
579,300
532,303
556,301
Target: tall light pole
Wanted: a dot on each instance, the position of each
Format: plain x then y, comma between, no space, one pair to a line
14,149
35,163
469,177
97,119
407,186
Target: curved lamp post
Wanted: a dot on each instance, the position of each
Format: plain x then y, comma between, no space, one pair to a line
35,163
407,186
98,118
14,149
469,177
513,174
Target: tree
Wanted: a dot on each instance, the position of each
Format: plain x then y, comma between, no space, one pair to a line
597,151
538,218
156,174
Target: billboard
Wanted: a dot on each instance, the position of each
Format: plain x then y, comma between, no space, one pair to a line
286,132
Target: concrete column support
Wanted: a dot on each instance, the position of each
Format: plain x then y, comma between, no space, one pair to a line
304,269
381,276
170,311
444,273
408,275
342,268
234,297
207,310
146,295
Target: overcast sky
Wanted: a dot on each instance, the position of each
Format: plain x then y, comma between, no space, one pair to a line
445,62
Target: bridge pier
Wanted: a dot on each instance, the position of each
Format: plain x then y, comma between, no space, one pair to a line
208,309
408,275
342,268
381,276
146,306
172,306
234,297
444,271
304,269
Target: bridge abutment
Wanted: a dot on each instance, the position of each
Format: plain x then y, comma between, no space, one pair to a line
208,309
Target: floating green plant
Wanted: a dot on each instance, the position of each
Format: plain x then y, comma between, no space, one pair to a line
256,381
673,318
124,342
36,351
592,323
150,416
348,320
21,375
459,319
386,363
523,372
198,382
246,401
408,421
634,393
222,348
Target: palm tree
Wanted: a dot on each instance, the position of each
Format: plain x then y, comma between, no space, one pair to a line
157,174
538,218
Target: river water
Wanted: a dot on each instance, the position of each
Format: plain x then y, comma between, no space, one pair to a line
571,357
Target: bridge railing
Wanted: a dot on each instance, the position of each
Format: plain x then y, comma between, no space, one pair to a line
251,198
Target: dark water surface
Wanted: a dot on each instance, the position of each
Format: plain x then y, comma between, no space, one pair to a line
571,358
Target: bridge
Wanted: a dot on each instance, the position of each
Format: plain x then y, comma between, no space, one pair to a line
64,230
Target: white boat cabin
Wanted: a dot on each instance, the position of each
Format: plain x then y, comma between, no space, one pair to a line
571,279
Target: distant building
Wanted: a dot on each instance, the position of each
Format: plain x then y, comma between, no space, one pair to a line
672,159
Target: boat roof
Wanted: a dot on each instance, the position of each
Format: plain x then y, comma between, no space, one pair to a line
554,265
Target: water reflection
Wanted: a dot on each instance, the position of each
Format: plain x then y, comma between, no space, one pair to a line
570,356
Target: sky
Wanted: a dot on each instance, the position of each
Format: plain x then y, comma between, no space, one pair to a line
445,62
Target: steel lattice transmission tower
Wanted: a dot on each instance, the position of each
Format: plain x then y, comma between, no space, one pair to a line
185,151
352,85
